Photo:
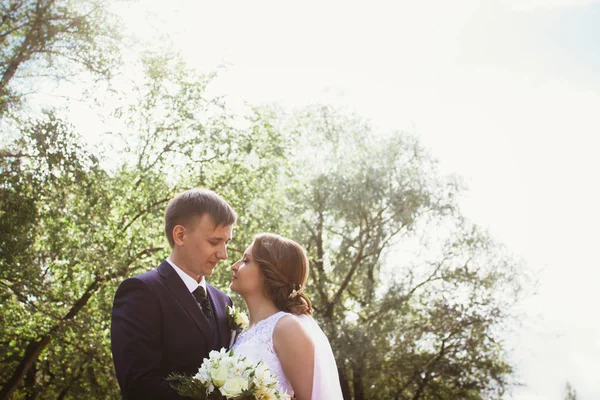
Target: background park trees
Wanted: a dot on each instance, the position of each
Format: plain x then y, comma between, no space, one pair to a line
412,295
53,39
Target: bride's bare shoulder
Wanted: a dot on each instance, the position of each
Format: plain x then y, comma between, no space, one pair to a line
289,331
286,323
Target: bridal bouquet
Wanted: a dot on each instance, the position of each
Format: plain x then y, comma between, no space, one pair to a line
225,376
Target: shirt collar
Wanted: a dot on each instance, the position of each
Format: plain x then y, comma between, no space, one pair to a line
190,282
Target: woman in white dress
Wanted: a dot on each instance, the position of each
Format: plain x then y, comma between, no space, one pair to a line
271,277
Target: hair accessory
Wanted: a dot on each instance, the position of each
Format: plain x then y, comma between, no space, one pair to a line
295,292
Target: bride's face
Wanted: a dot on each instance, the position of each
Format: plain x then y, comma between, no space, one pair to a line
246,278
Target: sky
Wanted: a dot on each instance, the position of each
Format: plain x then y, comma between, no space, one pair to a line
505,93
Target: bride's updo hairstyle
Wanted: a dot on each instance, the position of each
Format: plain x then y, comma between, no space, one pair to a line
284,266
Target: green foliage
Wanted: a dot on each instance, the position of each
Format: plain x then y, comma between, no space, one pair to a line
54,39
412,296
357,195
191,388
74,229
88,227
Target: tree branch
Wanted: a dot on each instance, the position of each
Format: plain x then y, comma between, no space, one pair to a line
36,346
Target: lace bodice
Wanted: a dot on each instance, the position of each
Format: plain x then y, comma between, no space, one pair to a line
256,343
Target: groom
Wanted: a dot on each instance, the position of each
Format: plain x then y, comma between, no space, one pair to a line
168,319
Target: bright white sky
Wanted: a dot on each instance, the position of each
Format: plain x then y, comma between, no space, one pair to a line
505,93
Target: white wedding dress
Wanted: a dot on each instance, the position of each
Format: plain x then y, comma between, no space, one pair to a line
256,344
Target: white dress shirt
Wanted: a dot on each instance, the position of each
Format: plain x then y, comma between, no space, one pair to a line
190,282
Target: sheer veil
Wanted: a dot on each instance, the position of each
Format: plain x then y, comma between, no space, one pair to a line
326,381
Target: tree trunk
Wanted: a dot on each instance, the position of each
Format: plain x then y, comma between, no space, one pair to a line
421,387
35,40
32,38
344,384
64,392
30,383
34,348
357,382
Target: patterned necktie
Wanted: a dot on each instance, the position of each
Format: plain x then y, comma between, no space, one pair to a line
204,303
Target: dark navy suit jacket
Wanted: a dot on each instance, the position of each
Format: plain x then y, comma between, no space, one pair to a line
158,328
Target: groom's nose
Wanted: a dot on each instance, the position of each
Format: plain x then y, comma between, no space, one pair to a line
222,254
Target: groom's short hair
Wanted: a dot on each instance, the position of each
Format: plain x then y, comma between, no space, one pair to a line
184,207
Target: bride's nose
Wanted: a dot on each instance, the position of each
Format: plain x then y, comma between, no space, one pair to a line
235,266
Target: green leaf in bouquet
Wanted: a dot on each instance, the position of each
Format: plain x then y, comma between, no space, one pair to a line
187,386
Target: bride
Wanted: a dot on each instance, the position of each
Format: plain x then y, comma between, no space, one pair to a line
271,277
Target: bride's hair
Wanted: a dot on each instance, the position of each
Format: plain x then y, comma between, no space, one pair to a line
284,266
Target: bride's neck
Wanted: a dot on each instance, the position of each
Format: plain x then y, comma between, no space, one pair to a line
259,308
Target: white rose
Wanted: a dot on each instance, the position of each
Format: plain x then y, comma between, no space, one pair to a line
219,374
234,387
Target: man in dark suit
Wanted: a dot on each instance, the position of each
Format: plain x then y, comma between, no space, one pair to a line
168,319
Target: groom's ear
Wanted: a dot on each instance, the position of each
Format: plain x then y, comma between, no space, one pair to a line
179,232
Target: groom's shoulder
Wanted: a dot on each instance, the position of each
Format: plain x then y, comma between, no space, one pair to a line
149,278
146,277
148,283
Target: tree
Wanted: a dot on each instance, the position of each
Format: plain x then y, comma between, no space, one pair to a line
441,328
357,196
75,227
56,39
56,178
409,325
421,323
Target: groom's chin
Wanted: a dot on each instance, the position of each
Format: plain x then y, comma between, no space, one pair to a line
209,270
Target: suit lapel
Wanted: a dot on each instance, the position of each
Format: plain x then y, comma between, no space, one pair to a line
220,314
181,293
